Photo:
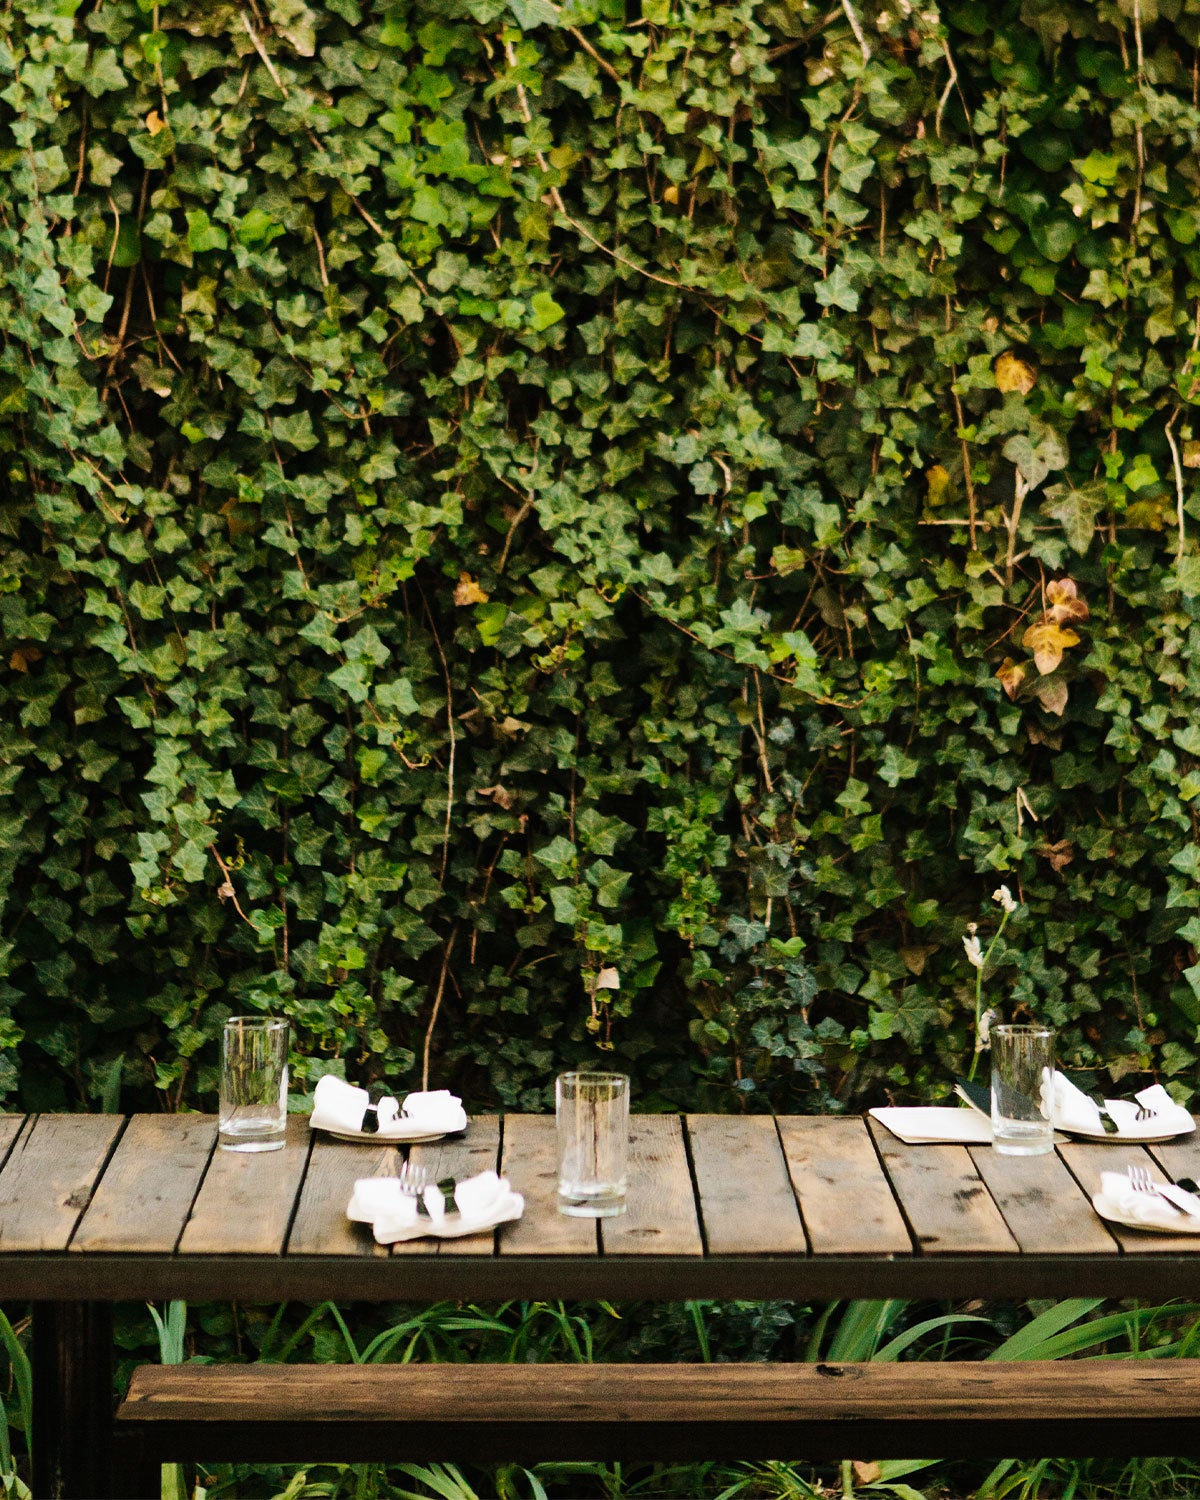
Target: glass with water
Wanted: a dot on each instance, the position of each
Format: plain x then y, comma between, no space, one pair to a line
1022,1090
254,1084
592,1112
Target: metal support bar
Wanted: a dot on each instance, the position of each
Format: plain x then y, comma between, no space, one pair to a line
72,1400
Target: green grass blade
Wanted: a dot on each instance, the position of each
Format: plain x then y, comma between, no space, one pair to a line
1027,1341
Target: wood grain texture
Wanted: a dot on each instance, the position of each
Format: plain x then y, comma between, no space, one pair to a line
833,1163
1087,1159
692,1394
320,1226
458,1157
747,1206
943,1197
144,1198
530,1162
245,1203
1044,1207
48,1179
10,1128
1180,1158
660,1215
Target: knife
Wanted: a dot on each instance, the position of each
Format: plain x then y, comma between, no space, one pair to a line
1173,1193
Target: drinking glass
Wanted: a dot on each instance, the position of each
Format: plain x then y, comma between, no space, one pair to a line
592,1111
254,1084
1022,1090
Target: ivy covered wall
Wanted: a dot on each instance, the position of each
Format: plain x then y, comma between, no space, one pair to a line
501,498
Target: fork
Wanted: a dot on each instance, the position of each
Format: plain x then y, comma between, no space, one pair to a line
413,1179
1141,1181
1143,1113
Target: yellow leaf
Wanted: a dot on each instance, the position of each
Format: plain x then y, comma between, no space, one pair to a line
1048,640
1014,374
1065,603
467,591
671,194
155,122
1191,454
866,1473
1010,676
938,485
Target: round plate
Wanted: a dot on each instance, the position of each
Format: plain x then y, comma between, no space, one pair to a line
412,1136
1126,1140
1185,1225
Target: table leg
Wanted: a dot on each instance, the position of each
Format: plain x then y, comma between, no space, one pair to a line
72,1400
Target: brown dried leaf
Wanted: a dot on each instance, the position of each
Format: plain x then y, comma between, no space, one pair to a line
1052,694
866,1473
1010,676
1064,601
1060,855
913,957
1051,738
1014,374
500,795
1048,640
22,656
1191,454
467,591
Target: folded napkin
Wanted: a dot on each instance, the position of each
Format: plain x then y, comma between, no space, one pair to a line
1074,1111
479,1200
921,1125
1117,1200
338,1105
380,1198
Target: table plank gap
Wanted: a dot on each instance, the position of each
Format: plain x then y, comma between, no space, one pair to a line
1042,1204
457,1157
529,1160
943,1197
319,1225
747,1206
1179,1158
10,1129
246,1201
832,1162
145,1196
660,1214
1087,1159
49,1178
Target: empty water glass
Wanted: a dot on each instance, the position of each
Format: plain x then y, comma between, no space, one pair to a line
592,1111
1022,1090
254,1084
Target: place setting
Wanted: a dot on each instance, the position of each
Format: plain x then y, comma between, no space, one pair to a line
592,1128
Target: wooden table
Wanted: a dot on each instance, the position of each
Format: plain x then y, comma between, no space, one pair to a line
96,1209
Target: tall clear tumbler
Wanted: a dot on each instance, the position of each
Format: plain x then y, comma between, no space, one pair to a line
254,1084
592,1111
1022,1090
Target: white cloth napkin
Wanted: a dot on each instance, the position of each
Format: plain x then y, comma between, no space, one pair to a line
338,1105
1117,1200
380,1198
1073,1110
480,1200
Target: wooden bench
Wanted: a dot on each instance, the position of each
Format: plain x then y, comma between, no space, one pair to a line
528,1413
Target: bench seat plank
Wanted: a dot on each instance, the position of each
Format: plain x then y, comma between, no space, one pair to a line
833,1163
49,1176
147,1191
530,1161
245,1203
511,1412
746,1201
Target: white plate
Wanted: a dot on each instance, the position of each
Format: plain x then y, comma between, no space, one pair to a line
407,1135
455,1227
1106,1139
1184,1225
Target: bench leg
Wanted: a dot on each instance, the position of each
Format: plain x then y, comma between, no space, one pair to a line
72,1400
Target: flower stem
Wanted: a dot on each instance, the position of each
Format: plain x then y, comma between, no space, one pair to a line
979,972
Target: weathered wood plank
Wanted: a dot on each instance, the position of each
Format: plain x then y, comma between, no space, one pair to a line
833,1163
457,1157
943,1197
320,1226
48,1179
10,1129
747,1206
660,1215
1042,1204
530,1161
148,1188
1179,1158
1087,1159
245,1204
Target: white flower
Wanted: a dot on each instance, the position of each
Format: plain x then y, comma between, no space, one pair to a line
985,1029
1005,898
974,951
